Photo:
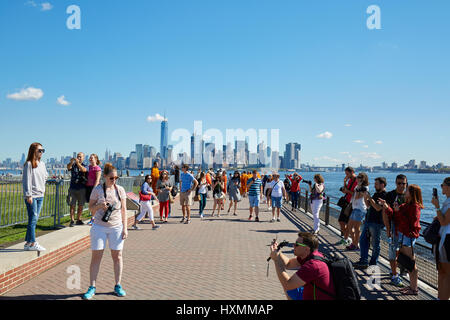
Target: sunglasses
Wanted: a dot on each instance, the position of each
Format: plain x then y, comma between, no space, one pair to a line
297,244
41,150
113,178
401,183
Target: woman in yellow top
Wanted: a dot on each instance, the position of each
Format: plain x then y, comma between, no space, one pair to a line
155,175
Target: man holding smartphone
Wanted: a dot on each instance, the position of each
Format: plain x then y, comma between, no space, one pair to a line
372,227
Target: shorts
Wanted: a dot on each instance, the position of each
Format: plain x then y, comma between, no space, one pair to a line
254,201
406,241
357,215
77,196
186,198
444,251
99,235
394,245
295,294
343,217
276,202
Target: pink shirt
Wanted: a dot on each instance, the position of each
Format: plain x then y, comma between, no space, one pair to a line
92,175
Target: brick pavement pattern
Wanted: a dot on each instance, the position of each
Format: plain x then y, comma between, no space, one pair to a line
210,259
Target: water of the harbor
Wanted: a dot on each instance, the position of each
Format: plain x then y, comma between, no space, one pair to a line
334,180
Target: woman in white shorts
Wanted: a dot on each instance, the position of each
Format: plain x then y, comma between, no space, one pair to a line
112,230
146,203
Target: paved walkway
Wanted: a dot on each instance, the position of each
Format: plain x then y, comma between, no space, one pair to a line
217,258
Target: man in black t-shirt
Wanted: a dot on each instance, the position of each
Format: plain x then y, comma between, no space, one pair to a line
77,189
372,226
396,195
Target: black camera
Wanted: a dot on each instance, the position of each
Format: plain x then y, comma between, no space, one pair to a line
341,189
307,181
362,189
108,212
280,245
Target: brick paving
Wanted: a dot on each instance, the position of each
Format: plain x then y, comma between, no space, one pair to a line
217,258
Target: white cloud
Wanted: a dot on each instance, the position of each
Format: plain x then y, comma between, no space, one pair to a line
156,117
379,142
62,101
358,141
31,3
370,155
325,135
46,6
29,93
366,146
347,125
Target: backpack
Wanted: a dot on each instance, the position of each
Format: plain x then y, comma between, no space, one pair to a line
344,278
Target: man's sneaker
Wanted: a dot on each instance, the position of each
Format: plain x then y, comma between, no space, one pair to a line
250,218
89,294
80,223
397,281
71,223
187,221
278,220
26,247
272,220
156,227
36,247
119,291
90,222
202,216
361,266
257,219
136,228
182,220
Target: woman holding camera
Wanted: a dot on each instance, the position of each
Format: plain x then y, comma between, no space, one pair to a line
316,199
442,248
218,194
359,210
408,229
108,202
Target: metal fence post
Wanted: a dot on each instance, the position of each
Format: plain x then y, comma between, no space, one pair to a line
58,204
327,212
56,211
306,201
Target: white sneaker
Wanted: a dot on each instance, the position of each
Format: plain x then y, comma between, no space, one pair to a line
36,247
348,241
26,247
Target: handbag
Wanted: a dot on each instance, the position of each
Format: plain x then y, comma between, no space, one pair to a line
431,233
144,197
197,197
342,202
171,199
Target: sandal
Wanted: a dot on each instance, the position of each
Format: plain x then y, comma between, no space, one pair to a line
409,291
250,218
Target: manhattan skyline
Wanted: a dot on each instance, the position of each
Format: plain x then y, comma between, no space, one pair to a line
314,71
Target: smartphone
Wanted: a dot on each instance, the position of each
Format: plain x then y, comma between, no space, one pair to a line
435,193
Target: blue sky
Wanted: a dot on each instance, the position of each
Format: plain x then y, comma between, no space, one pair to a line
304,67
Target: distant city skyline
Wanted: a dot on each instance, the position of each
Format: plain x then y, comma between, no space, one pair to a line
313,70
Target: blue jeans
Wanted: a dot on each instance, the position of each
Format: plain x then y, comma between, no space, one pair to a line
374,230
294,199
202,202
33,210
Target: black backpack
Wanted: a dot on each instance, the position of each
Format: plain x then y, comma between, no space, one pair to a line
344,278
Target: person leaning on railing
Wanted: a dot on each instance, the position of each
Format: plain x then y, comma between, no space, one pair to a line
408,228
108,198
34,177
442,249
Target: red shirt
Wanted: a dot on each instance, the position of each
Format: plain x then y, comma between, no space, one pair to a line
351,185
295,183
315,272
408,219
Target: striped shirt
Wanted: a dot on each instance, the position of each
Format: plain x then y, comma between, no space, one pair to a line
255,188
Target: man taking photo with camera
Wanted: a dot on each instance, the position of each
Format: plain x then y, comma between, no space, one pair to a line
77,189
313,280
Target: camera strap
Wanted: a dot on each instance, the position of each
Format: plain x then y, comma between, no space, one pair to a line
117,192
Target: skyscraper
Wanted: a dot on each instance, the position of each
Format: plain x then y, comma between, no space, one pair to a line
164,137
140,155
292,156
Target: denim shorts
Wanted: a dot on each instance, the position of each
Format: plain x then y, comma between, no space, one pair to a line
276,202
358,215
295,294
406,241
254,201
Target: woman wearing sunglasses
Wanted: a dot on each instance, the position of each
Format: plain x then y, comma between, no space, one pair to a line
108,198
34,178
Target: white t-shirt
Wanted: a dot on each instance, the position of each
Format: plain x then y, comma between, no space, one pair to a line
359,203
444,230
277,188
